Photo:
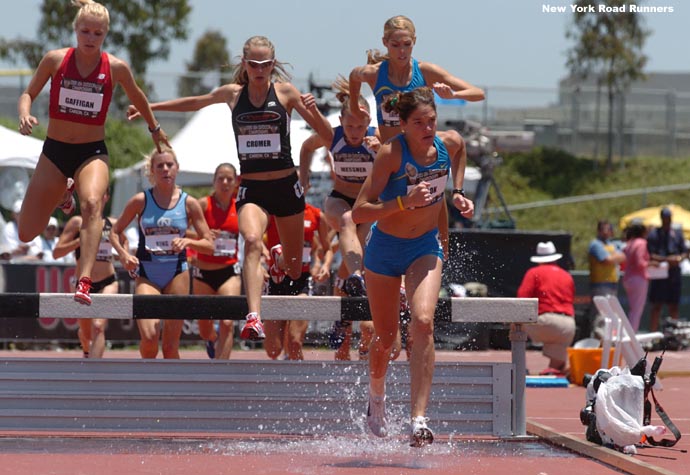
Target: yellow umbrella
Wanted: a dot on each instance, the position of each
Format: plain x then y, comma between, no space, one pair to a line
651,217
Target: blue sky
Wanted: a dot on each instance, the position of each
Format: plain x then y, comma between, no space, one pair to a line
488,43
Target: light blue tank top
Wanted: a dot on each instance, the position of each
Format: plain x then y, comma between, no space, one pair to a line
158,227
383,89
411,173
351,164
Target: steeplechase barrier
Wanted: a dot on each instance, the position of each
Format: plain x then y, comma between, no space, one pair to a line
276,397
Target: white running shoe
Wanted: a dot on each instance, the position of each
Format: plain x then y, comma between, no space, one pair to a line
376,415
421,434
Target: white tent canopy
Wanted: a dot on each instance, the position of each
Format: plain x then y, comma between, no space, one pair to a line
18,155
18,150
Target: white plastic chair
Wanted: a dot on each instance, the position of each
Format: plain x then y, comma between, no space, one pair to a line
619,332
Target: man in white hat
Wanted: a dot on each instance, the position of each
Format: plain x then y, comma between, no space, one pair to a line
555,289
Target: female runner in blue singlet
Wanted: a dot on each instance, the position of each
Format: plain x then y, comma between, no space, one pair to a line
164,212
404,196
352,147
398,71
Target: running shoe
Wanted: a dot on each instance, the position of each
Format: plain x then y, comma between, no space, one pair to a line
338,334
69,203
211,349
83,293
421,434
376,415
277,274
253,329
354,286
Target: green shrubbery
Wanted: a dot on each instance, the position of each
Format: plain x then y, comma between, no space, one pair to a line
544,174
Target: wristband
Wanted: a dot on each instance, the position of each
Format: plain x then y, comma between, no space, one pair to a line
460,191
400,203
156,128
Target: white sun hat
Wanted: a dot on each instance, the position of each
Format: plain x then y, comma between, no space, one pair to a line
546,252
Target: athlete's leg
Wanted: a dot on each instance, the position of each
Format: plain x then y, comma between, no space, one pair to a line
43,194
253,222
172,329
149,328
422,285
384,312
291,232
91,185
295,333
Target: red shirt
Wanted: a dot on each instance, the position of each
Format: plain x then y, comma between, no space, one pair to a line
225,245
552,285
84,100
312,220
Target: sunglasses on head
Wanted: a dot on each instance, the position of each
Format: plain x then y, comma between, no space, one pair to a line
254,64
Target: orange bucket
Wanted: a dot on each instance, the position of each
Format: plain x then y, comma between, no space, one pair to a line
585,361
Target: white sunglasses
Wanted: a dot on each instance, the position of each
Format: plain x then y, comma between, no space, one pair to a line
259,64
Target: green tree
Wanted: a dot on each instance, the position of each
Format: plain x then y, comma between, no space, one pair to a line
210,55
143,29
607,47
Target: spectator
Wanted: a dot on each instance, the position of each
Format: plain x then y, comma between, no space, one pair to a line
49,238
636,277
665,244
19,250
604,262
554,287
5,253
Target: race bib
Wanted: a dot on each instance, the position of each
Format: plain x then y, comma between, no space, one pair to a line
160,243
437,184
264,143
86,103
224,245
390,119
306,254
105,251
353,170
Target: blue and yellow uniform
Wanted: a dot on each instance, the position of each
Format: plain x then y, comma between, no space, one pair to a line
390,255
383,89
